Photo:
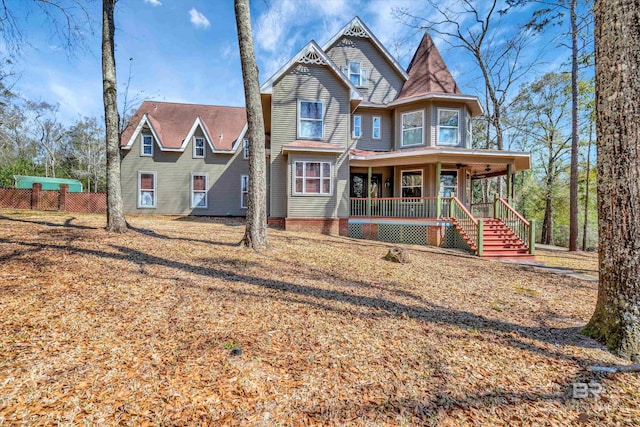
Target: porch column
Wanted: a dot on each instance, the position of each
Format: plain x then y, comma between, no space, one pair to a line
509,183
438,199
369,191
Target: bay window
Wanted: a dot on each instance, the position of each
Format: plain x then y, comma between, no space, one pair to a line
412,126
312,178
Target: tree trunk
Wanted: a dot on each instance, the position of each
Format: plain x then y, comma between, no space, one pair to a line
573,178
547,222
115,212
616,320
586,191
255,235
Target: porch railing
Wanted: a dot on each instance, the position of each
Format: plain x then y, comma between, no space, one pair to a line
522,228
397,207
467,222
482,210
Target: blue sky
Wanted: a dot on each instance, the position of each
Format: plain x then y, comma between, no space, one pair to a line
187,51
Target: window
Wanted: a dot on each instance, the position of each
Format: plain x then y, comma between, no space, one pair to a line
411,183
310,124
356,74
376,127
245,148
146,149
357,126
146,189
198,190
448,127
448,183
312,178
412,124
198,148
244,191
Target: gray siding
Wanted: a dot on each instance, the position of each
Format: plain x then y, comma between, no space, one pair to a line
314,83
366,141
173,175
384,83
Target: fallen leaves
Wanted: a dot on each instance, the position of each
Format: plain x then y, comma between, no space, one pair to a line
138,329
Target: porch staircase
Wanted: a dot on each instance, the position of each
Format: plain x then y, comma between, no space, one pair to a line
498,241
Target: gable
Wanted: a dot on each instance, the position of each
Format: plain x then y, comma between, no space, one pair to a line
357,29
311,54
381,83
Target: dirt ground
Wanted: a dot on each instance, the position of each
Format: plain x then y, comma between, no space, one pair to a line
145,329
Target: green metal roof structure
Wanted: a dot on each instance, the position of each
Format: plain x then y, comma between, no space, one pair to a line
22,181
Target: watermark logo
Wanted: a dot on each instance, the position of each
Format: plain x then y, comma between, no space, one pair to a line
586,390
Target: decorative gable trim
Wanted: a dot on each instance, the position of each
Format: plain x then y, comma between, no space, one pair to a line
312,57
357,28
143,121
311,53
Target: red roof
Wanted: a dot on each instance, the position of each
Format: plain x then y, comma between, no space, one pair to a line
173,121
364,153
428,73
317,145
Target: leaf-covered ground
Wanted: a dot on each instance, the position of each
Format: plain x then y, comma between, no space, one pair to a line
137,329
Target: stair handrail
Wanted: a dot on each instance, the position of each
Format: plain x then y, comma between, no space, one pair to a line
525,230
470,225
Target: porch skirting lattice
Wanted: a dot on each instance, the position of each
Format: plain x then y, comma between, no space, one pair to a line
408,233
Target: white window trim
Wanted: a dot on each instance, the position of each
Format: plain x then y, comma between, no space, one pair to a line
245,148
373,127
204,145
363,74
242,192
155,189
402,129
142,137
300,101
457,128
206,190
353,133
304,177
421,181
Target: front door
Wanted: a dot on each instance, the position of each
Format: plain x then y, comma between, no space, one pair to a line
359,187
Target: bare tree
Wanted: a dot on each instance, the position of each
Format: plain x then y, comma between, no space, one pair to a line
115,211
501,59
48,133
67,20
616,320
553,13
255,235
539,113
87,140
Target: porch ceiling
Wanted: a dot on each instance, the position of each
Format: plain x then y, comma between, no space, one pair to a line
477,160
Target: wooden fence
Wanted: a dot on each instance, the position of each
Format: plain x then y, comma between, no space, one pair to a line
48,200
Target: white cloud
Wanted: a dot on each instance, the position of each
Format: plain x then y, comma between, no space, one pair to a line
153,2
197,18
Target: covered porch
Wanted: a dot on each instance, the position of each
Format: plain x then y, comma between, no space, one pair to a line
432,188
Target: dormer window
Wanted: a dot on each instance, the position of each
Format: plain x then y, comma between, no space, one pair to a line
198,148
146,148
356,74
